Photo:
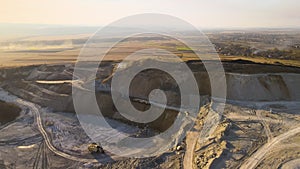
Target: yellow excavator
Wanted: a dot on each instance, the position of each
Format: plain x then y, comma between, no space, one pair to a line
95,148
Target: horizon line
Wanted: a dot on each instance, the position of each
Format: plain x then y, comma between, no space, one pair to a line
200,27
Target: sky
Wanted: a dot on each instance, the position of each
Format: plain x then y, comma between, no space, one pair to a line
201,13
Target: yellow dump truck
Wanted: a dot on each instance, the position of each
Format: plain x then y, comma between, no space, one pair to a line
95,148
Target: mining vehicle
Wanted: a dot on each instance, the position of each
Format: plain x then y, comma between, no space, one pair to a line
95,148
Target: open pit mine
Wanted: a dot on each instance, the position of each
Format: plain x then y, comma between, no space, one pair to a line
259,127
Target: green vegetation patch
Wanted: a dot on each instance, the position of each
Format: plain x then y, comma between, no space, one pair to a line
183,48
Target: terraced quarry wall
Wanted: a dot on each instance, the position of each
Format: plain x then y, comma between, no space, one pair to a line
263,87
256,87
240,86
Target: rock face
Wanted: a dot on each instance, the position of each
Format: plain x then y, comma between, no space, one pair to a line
256,87
263,87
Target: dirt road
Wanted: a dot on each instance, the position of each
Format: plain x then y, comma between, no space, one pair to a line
291,164
47,139
191,140
266,126
257,157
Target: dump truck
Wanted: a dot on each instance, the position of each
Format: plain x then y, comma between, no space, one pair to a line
95,148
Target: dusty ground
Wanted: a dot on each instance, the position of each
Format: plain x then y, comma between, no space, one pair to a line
243,134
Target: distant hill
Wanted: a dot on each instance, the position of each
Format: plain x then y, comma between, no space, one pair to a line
15,31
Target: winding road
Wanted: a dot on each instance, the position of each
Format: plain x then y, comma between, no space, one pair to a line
291,164
47,139
257,157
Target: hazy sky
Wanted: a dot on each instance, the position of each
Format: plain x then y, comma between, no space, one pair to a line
202,13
